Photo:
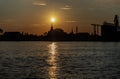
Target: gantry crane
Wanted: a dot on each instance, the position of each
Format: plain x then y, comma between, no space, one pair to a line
96,28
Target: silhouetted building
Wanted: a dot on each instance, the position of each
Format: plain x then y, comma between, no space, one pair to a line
55,35
110,31
12,36
83,36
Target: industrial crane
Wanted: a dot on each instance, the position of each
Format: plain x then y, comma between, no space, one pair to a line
96,28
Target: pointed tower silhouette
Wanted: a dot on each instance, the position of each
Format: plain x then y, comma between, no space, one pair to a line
51,27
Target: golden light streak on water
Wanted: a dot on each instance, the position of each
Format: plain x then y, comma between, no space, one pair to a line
52,61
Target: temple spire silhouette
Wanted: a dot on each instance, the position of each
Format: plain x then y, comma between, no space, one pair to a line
51,27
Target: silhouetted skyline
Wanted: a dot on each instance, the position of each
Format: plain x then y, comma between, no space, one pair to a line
101,32
33,16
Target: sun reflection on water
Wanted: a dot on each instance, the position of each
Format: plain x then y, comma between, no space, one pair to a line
52,61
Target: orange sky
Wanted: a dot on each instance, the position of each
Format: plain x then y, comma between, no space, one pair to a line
33,16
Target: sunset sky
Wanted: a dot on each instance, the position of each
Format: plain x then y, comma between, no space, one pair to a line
33,16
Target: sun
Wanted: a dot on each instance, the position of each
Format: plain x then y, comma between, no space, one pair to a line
52,19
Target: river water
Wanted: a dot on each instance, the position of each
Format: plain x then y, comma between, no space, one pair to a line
59,60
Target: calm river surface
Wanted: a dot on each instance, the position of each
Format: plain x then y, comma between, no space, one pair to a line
59,60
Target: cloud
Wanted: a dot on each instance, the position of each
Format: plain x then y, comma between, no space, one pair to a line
66,7
39,3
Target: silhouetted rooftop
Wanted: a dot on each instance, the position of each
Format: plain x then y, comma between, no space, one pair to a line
108,24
